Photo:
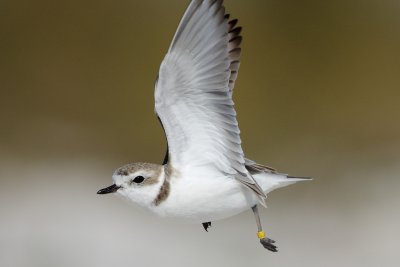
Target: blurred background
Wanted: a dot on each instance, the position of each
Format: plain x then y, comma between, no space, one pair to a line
317,95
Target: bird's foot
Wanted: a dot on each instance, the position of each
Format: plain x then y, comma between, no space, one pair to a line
268,244
206,225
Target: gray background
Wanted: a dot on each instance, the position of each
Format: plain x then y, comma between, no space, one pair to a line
318,95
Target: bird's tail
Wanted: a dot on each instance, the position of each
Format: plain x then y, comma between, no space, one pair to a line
269,179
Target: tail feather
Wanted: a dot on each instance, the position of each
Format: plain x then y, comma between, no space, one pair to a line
269,179
302,178
254,168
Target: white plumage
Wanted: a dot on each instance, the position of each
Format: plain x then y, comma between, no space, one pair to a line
205,176
193,95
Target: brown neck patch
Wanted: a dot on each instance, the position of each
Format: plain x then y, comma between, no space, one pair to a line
165,187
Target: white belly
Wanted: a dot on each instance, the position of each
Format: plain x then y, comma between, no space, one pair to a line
204,199
208,197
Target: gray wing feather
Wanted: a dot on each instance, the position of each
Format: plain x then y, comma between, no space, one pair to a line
193,96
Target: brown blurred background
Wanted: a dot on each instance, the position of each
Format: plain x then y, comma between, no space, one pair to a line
318,94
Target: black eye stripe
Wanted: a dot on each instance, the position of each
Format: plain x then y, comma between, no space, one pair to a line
138,179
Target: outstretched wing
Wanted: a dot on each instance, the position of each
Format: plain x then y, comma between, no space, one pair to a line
193,95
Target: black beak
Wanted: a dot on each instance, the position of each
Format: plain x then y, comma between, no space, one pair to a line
111,189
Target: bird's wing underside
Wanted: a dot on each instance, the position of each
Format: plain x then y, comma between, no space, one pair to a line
193,94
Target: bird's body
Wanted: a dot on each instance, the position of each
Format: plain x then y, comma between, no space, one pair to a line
198,195
205,176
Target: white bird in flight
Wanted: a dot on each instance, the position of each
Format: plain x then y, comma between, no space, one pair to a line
204,176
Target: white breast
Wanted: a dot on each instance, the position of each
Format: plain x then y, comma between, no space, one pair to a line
199,196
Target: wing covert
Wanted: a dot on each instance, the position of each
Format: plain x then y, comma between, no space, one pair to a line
193,95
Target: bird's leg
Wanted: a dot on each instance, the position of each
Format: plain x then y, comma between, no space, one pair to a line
266,242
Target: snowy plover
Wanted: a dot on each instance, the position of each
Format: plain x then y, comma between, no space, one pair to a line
204,176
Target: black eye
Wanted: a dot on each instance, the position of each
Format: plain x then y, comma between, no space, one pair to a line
138,179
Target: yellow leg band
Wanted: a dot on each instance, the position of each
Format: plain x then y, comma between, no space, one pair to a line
261,234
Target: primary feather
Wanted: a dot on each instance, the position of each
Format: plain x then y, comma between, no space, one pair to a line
193,94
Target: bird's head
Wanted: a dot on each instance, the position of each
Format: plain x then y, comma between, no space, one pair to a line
139,182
